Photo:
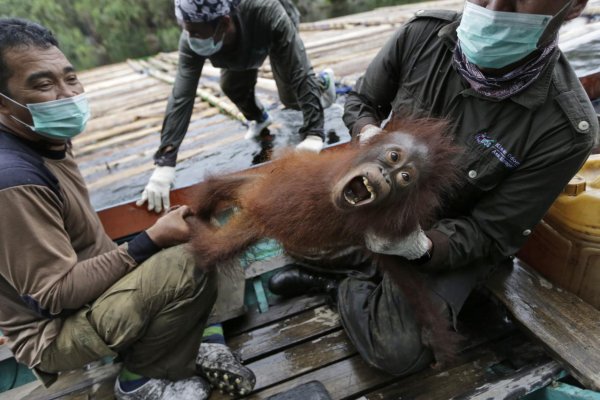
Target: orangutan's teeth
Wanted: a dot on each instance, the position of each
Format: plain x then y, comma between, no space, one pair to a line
369,187
349,200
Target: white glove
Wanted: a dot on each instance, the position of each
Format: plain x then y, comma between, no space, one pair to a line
411,247
312,143
367,132
157,189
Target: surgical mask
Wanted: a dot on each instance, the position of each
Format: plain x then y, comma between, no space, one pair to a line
57,119
204,47
495,39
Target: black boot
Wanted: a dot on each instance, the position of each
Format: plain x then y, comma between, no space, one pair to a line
295,281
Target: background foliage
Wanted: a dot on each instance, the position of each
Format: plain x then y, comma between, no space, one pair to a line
97,32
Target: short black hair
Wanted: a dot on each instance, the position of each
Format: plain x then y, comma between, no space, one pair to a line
17,32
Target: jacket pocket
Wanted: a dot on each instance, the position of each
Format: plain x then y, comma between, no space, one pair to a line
485,167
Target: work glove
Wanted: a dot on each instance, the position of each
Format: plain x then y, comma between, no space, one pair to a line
312,143
157,190
411,247
367,132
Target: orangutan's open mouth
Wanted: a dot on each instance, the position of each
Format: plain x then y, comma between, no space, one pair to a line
359,191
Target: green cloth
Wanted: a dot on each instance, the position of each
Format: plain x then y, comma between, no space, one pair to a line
126,375
215,329
260,251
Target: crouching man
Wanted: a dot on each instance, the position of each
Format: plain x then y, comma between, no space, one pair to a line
70,295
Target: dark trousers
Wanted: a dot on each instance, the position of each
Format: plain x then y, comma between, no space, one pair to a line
239,87
382,324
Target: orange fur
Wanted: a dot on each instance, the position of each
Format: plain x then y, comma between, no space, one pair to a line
290,200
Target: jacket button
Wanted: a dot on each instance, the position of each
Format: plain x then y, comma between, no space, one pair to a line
472,174
583,126
527,232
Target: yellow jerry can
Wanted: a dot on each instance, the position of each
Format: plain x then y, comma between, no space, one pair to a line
565,245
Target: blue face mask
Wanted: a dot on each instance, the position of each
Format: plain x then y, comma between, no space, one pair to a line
495,39
204,47
60,119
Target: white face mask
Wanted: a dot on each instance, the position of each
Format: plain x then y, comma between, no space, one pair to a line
204,47
495,39
57,119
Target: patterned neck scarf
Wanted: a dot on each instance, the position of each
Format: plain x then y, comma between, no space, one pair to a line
507,85
203,10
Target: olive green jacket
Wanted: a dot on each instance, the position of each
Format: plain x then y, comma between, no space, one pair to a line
264,28
519,152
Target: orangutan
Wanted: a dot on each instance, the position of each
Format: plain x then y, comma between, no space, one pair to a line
319,204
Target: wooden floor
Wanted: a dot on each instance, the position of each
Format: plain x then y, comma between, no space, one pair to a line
298,340
301,340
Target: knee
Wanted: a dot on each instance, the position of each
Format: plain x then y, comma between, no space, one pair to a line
174,270
234,90
387,338
193,283
401,360
227,87
289,101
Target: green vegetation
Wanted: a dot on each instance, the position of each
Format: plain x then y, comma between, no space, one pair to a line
97,32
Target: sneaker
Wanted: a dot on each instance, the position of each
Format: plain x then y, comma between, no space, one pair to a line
327,81
194,388
312,143
224,370
256,127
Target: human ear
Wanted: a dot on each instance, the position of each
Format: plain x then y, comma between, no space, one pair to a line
223,28
4,109
224,24
576,9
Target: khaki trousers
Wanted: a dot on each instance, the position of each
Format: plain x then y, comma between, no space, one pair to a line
153,318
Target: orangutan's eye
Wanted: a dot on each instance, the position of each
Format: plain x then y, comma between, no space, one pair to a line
393,156
405,176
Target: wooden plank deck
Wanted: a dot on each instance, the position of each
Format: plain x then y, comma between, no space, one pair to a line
568,326
300,340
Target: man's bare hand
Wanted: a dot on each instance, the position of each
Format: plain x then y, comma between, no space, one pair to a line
172,228
3,340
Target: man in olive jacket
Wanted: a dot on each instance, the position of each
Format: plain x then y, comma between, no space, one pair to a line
526,126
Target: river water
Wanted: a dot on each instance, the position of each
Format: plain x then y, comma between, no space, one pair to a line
585,59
